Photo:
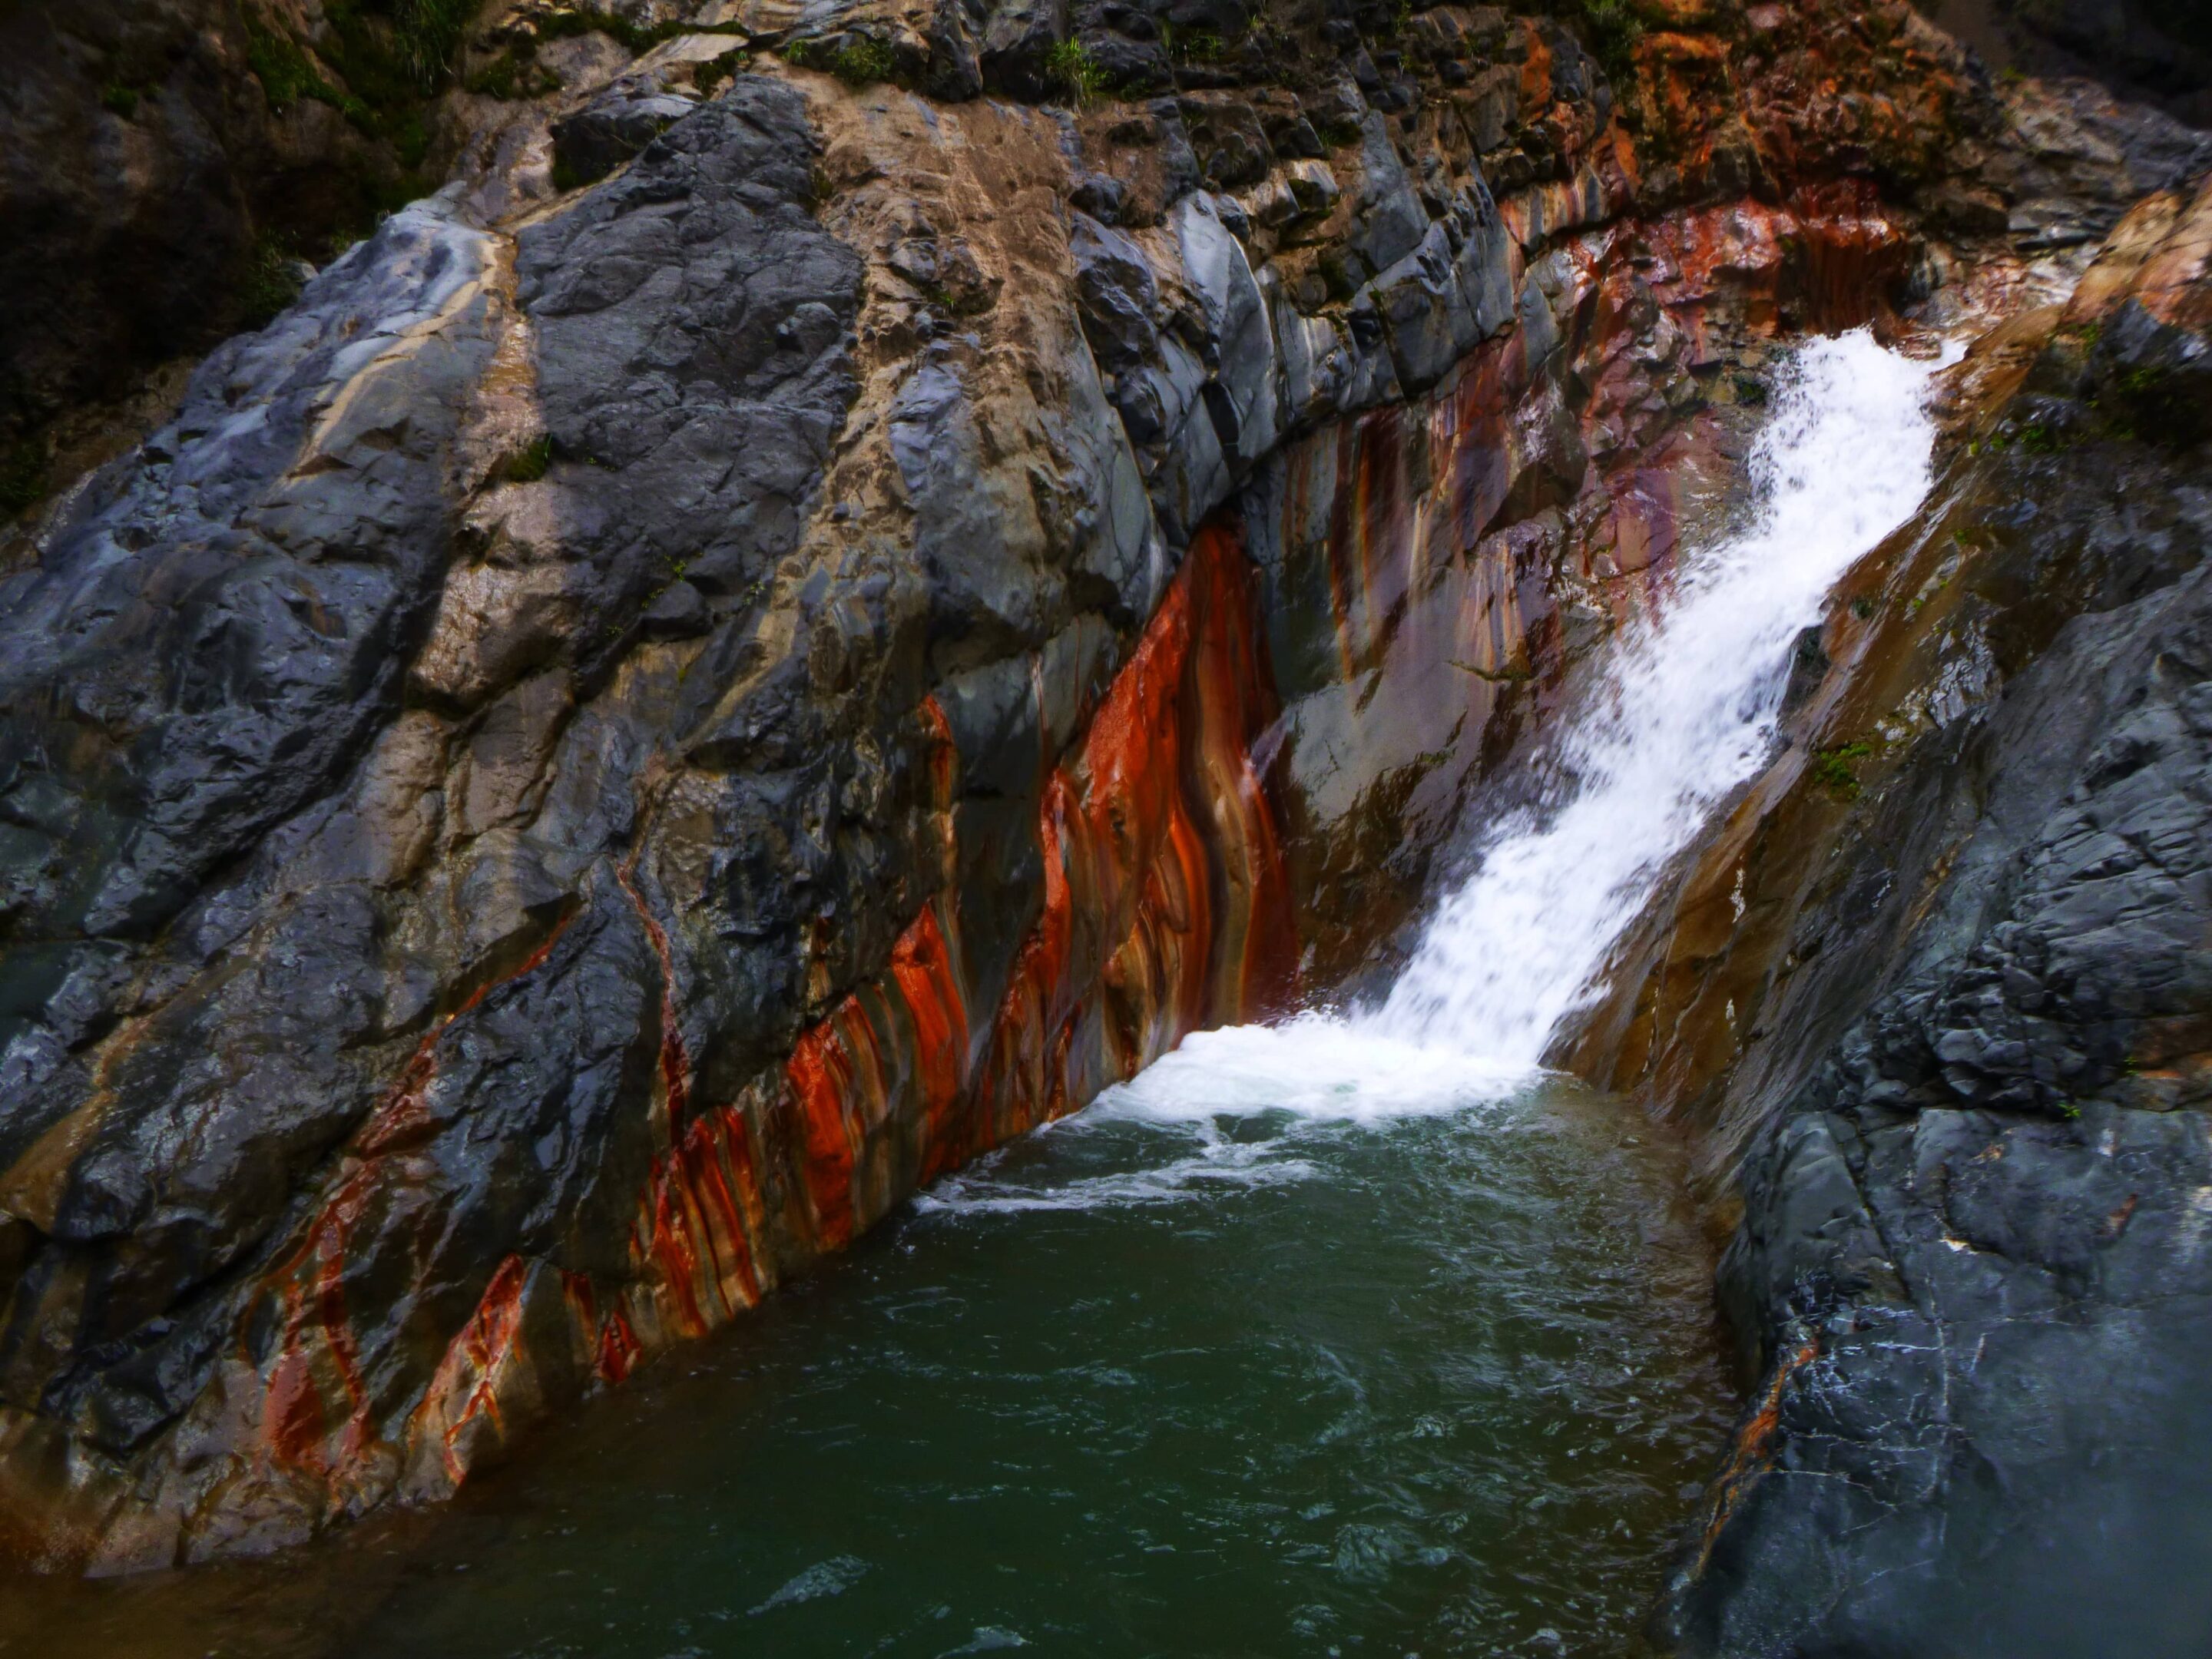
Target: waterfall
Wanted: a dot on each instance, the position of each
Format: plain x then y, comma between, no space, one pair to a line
1684,713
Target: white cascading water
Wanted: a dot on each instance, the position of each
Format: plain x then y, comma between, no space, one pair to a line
1684,714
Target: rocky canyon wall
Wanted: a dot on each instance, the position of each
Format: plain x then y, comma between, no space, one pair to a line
1934,1000
798,619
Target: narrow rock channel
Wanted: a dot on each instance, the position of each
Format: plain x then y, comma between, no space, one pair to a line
914,825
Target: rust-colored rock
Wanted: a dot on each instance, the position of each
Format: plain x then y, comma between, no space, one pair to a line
779,632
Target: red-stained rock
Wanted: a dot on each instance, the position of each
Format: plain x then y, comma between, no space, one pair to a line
799,753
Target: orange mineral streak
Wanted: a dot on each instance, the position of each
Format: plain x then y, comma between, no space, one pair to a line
944,756
1831,258
1855,254
1371,536
2172,287
922,967
1535,69
404,1116
1737,252
619,1352
1024,1073
1165,906
700,1224
836,1080
464,1391
1405,499
314,1409
315,1393
1601,188
1233,703
1747,1457
614,1347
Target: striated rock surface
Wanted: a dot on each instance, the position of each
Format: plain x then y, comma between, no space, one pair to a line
167,170
797,620
1935,999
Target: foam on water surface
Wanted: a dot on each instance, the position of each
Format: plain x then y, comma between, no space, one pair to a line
1684,714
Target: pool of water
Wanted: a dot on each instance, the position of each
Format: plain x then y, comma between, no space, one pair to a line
1356,1334
1163,1379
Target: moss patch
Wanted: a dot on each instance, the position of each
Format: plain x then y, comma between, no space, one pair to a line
712,73
514,74
1836,768
270,281
288,75
1191,46
1611,31
858,60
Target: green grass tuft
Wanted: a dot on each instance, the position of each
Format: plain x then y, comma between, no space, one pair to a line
287,76
427,37
271,283
1612,30
1191,46
511,75
528,464
862,61
711,74
1836,768
1077,73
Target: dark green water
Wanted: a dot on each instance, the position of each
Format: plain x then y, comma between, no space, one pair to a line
1167,1383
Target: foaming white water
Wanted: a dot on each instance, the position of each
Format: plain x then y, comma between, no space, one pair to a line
1687,713
1316,1067
1684,714
1314,1076
1212,1163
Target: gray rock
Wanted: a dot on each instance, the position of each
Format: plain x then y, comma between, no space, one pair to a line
614,126
275,551
1015,52
1241,399
1116,292
1971,1264
1388,221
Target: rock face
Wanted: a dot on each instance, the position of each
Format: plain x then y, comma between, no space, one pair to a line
1938,995
164,167
787,627
2154,51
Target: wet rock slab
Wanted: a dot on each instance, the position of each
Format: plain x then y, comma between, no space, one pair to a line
1948,1038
